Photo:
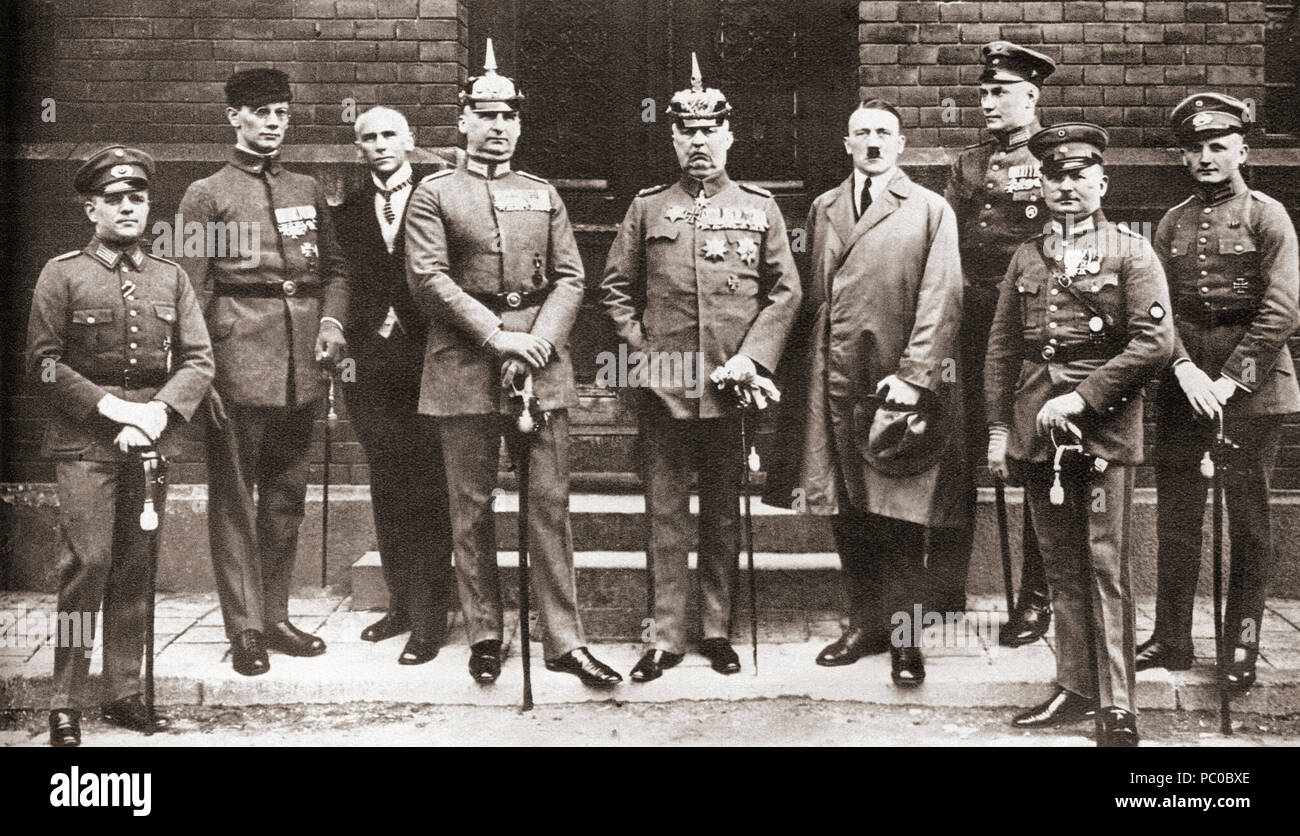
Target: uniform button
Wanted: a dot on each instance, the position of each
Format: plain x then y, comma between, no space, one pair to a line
1205,272
1208,210
135,328
988,205
1204,289
1205,224
1055,291
986,223
1201,239
1051,325
990,186
132,361
1052,341
90,320
135,345
1237,247
995,167
1201,257
1051,308
135,313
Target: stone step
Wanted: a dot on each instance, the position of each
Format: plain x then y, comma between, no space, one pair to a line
799,595
604,521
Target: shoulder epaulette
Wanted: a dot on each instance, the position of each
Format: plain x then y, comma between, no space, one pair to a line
66,256
979,144
148,254
653,190
1186,201
752,189
533,177
1263,198
434,176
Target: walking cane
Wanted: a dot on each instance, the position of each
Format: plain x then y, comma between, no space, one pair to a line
526,426
330,417
749,462
1004,540
1212,464
155,478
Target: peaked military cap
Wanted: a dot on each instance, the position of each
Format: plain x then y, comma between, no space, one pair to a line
1005,61
114,164
257,87
490,92
1209,114
1069,146
698,105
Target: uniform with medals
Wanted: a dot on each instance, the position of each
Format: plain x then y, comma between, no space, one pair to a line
489,250
699,272
995,191
1231,257
1083,311
264,307
110,326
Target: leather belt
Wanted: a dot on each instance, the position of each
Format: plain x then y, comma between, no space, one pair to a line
498,302
269,290
1039,353
1197,312
131,379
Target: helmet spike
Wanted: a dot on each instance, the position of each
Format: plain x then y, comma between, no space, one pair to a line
697,80
489,60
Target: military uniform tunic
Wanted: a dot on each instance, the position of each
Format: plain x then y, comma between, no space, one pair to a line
1103,336
994,188
698,272
490,248
87,339
263,308
1234,274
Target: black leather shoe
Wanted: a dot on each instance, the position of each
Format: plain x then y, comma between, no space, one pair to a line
907,666
485,661
385,628
1063,708
1154,653
130,713
1240,672
248,654
1119,729
593,672
851,646
653,664
418,651
291,641
1029,622
721,655
65,727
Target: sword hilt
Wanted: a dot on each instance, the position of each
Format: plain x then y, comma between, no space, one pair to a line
151,460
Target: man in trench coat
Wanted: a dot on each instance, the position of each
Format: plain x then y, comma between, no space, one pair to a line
885,295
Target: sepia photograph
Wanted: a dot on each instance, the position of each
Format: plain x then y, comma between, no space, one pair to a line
651,373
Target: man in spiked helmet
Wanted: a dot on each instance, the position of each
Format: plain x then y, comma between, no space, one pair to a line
492,262
700,274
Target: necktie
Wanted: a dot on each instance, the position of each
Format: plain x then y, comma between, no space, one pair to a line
389,214
864,196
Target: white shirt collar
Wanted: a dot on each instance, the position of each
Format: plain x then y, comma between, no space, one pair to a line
403,173
878,183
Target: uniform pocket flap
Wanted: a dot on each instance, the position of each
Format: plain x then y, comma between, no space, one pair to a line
1236,246
93,316
165,312
1097,284
665,231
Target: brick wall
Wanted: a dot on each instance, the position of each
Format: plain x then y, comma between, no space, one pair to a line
1120,64
153,70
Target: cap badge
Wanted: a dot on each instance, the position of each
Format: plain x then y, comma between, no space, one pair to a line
121,170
